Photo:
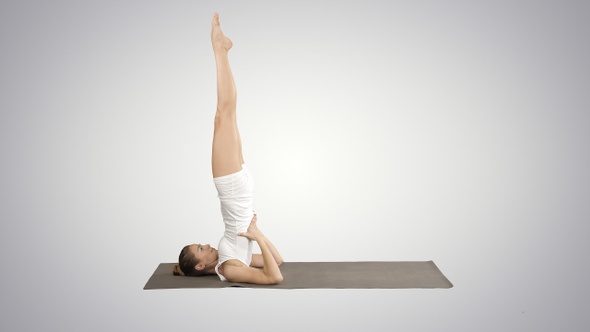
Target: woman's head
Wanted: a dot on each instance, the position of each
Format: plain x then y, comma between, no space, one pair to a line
196,260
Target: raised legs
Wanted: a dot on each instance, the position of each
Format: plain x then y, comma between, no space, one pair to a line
227,155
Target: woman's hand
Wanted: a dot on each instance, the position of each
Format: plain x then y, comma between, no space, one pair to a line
253,233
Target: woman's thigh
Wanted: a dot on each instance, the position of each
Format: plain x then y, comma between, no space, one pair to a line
226,152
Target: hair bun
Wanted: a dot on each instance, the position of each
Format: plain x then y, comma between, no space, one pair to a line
177,271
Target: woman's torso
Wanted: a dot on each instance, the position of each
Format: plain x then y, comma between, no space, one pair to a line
236,196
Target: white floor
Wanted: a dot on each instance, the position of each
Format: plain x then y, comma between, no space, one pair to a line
445,131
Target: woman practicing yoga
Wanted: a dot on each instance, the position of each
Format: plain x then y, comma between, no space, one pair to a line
233,261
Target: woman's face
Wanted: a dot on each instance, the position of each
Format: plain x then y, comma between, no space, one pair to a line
204,253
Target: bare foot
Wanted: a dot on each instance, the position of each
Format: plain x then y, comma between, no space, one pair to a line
219,40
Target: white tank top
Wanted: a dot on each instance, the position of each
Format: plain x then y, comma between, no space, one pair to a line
236,195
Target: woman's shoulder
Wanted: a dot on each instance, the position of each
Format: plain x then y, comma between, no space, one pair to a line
230,263
233,262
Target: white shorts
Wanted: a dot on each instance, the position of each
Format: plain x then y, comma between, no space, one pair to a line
236,195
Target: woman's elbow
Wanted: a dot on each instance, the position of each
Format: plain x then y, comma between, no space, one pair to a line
276,280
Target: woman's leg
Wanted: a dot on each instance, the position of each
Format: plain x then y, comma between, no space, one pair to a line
227,146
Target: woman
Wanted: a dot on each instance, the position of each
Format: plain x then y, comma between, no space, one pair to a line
234,260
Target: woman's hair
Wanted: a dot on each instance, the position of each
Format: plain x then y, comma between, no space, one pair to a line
186,264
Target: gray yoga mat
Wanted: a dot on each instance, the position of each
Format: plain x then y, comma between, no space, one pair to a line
336,275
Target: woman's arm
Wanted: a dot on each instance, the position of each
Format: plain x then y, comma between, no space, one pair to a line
258,261
270,272
274,252
270,266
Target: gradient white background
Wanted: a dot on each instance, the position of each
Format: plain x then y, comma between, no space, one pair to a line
456,131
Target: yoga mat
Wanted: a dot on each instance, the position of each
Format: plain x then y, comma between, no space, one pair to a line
336,275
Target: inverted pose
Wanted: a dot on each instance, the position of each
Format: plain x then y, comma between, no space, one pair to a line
233,261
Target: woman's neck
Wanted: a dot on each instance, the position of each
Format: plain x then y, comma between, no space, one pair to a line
210,268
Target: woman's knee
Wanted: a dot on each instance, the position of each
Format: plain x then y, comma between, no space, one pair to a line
225,118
